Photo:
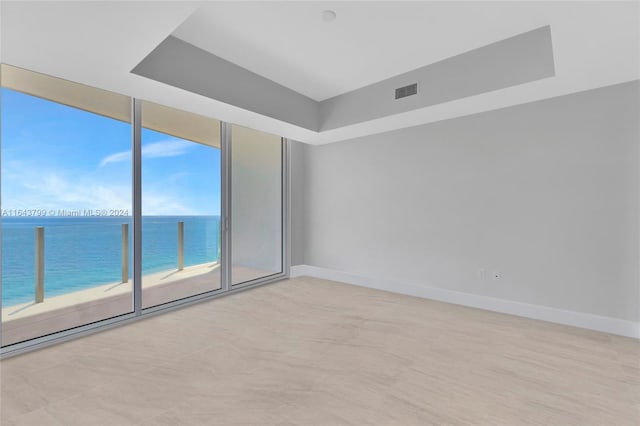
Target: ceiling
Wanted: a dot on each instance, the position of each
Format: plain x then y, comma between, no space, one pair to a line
368,42
98,43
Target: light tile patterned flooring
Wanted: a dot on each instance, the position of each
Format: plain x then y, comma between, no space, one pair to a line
313,352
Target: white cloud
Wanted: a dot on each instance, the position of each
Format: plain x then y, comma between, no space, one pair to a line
116,158
28,184
53,191
156,204
170,148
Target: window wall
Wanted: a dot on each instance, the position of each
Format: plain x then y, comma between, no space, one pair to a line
114,207
66,205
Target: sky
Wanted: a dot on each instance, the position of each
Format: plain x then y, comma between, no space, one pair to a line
56,157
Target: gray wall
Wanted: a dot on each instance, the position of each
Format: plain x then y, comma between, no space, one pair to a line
517,60
297,171
545,193
183,65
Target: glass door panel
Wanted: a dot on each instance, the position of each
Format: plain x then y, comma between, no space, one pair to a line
256,205
180,204
66,205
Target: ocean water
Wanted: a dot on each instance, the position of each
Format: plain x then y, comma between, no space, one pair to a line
82,252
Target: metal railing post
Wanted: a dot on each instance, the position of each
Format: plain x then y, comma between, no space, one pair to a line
180,246
125,252
39,264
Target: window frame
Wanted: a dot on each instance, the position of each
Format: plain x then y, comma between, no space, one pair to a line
138,312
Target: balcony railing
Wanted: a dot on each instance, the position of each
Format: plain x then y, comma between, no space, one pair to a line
40,258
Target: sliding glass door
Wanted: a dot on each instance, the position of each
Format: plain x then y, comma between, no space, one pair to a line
113,208
256,205
180,204
66,205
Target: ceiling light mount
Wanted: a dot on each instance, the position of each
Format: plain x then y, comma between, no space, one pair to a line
328,15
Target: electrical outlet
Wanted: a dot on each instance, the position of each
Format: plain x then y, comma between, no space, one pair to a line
497,275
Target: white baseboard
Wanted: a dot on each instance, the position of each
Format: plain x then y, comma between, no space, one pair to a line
577,319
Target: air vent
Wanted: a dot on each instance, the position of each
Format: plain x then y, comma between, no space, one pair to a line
403,92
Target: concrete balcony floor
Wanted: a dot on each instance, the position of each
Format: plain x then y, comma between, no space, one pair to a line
30,320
